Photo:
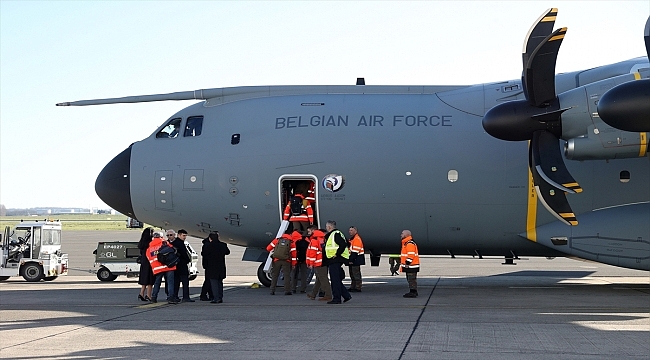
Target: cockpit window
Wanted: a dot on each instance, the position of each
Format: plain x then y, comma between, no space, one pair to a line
170,130
193,126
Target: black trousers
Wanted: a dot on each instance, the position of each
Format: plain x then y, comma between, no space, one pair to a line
185,280
206,289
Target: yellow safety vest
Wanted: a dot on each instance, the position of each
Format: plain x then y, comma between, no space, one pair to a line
331,247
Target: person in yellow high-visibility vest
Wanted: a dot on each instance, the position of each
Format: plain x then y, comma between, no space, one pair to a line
336,254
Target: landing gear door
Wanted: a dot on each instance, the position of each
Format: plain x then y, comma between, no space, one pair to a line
305,184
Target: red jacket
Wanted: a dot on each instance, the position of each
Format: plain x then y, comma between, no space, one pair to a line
307,213
293,255
152,255
311,193
315,250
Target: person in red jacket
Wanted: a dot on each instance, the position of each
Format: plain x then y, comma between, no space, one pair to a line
161,270
315,261
299,212
283,265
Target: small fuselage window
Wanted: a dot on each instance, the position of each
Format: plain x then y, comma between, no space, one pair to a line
193,126
170,130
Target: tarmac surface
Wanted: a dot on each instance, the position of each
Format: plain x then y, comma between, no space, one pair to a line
467,309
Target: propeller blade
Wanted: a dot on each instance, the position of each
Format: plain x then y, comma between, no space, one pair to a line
542,28
549,164
539,72
554,200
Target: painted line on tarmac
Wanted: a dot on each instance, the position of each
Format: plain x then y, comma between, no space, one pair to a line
417,322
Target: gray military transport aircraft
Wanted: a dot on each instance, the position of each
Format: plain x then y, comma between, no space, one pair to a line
428,158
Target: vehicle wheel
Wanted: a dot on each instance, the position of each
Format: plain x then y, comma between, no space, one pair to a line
32,272
263,277
50,278
3,278
191,277
103,274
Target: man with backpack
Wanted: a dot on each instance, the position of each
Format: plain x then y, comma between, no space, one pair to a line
299,212
158,246
282,251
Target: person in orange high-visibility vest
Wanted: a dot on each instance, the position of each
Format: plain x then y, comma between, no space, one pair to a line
283,265
410,260
315,261
160,270
311,193
302,216
356,260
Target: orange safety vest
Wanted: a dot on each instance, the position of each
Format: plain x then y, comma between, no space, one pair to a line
311,193
356,245
293,255
315,250
410,259
152,256
307,214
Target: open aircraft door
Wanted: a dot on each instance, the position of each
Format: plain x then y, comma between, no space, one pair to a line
306,184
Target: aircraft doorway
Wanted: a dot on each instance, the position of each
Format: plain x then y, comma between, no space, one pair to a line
305,185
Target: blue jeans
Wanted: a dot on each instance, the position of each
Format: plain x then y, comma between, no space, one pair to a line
338,289
169,285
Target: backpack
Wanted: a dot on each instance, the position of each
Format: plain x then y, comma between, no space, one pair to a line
296,205
282,249
167,255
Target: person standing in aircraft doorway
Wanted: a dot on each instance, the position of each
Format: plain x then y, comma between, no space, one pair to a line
299,213
410,260
356,260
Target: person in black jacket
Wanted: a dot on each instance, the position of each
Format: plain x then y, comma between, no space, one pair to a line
214,262
300,269
182,272
146,278
206,288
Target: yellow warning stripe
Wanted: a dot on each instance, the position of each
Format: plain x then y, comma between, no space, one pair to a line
531,214
560,35
643,148
549,18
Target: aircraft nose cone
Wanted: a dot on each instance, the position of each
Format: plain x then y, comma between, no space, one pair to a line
113,184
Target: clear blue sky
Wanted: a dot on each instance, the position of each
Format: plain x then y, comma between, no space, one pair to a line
58,51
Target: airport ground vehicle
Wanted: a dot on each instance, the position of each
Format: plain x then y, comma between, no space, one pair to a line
132,223
120,258
33,251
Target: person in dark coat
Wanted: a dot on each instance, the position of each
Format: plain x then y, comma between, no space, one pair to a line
214,262
206,288
182,271
146,278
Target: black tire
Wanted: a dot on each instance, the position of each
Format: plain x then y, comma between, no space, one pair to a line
191,277
3,278
103,274
262,276
50,278
32,272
